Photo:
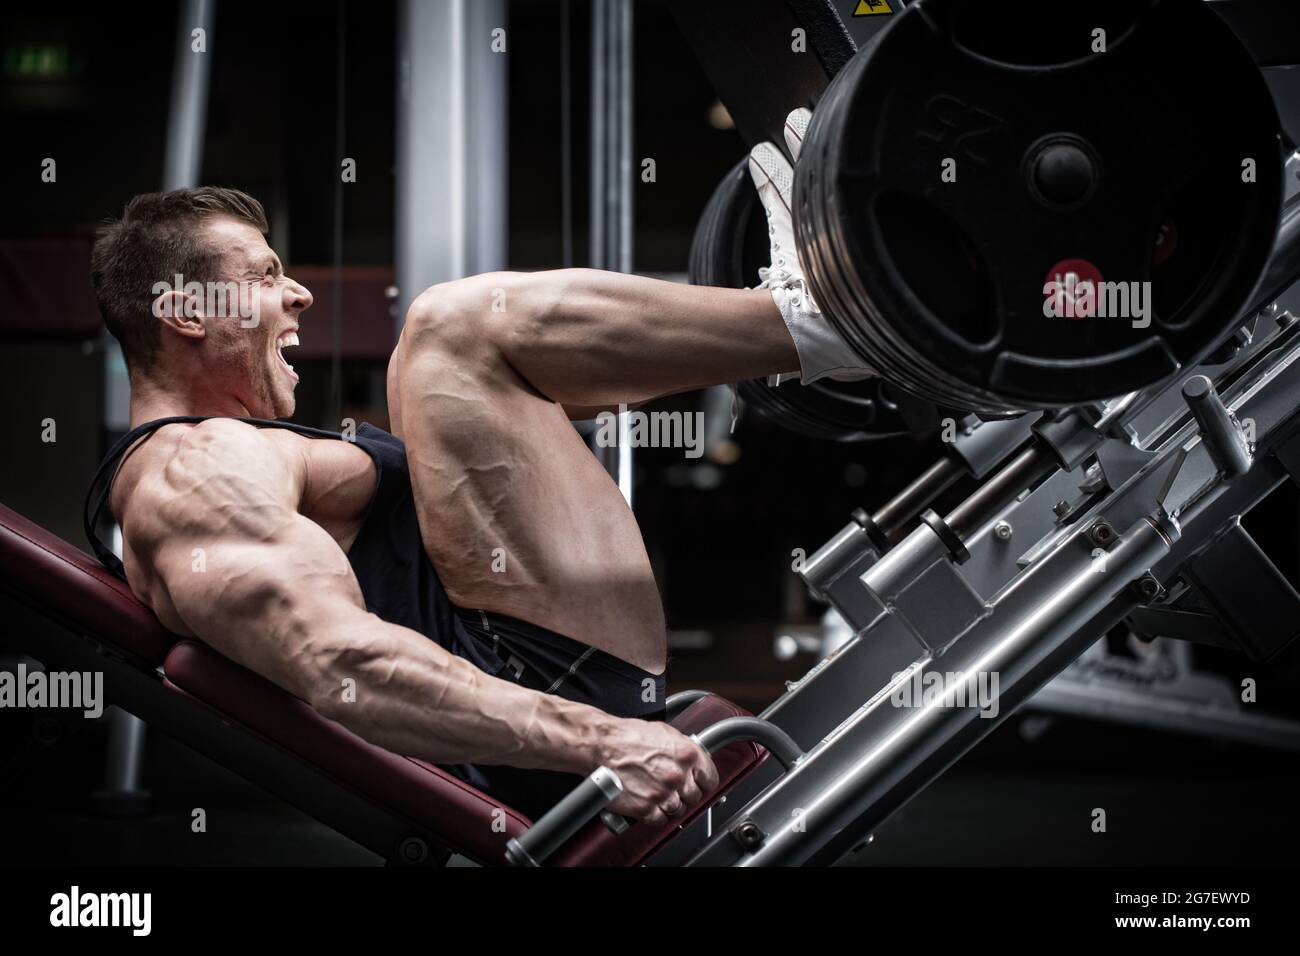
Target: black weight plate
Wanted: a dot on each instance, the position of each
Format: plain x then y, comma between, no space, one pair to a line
729,245
1125,166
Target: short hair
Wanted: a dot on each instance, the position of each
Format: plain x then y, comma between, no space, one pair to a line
156,239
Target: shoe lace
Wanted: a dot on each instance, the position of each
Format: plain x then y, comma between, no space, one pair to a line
796,285
778,276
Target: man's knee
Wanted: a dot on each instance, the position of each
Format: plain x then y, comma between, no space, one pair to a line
504,311
448,317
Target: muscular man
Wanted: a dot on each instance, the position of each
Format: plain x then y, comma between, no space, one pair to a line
472,589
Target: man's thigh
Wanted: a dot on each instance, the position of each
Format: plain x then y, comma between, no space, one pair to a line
517,515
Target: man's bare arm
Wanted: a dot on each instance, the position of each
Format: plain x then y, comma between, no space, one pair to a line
278,596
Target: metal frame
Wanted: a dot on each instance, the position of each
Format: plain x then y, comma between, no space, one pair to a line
1089,545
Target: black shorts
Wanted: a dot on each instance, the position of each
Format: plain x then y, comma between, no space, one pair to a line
542,660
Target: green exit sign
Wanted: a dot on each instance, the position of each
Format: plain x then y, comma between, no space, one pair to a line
38,61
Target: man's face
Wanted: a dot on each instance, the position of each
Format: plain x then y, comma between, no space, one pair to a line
246,340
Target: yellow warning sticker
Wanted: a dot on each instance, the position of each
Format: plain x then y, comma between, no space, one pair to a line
872,8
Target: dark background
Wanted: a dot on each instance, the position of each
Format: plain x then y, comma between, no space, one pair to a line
90,87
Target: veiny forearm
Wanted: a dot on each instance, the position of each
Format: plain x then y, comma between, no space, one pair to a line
405,693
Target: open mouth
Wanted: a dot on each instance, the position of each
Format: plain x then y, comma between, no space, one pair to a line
286,340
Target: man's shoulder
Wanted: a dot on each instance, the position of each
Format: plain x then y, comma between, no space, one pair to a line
186,445
225,432
185,458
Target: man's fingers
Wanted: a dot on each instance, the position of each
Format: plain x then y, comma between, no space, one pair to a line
706,774
637,808
691,793
796,125
771,174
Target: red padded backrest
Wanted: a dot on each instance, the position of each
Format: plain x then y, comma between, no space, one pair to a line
69,585
455,812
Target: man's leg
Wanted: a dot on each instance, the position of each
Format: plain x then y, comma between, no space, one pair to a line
516,513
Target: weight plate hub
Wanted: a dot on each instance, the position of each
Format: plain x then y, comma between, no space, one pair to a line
978,166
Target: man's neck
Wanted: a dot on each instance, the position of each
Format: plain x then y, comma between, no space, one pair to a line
150,402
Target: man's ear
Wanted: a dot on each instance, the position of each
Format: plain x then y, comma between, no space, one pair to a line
180,312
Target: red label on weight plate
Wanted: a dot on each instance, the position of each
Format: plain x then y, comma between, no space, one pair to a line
1070,289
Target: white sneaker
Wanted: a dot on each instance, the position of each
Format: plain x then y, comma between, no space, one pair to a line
822,353
796,125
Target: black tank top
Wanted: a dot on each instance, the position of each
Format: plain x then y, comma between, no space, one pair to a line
398,581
